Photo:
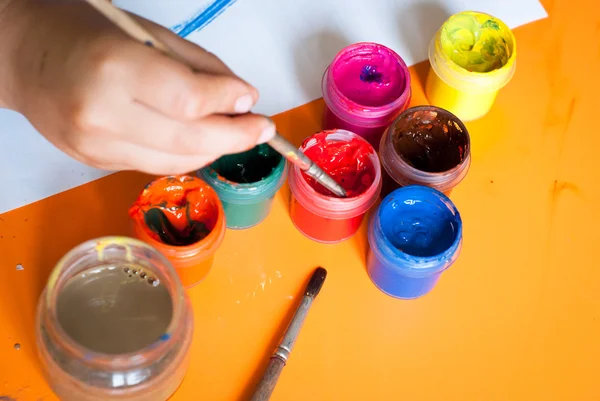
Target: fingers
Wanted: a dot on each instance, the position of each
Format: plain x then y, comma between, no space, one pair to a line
214,135
173,90
117,155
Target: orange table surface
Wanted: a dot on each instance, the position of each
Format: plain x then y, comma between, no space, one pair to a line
517,317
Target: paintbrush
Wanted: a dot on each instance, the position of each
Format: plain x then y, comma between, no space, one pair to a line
130,26
282,353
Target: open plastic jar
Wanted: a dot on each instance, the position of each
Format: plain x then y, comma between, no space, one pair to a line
472,57
353,163
414,236
183,218
364,88
114,322
427,146
246,183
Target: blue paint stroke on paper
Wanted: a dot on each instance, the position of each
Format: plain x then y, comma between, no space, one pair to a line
202,18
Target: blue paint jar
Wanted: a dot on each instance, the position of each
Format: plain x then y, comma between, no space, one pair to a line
246,183
415,234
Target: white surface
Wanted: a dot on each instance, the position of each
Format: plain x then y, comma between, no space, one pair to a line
281,47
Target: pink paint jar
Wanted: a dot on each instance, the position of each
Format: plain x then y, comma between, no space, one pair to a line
353,163
365,87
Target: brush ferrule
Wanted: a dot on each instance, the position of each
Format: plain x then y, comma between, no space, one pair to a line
282,353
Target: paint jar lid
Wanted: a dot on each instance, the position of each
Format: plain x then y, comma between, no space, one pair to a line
262,166
332,206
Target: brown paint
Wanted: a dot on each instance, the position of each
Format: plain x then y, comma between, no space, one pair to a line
108,310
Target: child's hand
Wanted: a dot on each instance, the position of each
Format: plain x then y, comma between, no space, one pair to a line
115,104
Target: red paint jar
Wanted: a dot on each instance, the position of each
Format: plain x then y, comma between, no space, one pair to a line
353,163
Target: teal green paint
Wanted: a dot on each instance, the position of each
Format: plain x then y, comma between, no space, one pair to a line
247,203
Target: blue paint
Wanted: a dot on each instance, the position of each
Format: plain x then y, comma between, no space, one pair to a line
415,235
202,18
165,337
369,74
149,43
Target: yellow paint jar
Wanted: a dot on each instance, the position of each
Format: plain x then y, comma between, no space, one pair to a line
472,57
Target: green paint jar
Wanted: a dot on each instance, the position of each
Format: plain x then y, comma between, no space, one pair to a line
246,183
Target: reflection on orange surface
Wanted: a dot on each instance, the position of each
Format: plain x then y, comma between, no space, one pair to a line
516,318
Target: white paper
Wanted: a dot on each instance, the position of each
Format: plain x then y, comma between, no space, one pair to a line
281,47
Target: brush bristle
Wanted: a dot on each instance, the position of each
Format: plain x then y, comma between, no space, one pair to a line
316,282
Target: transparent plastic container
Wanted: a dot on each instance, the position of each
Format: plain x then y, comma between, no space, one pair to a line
362,114
246,204
192,261
467,94
414,236
77,372
399,170
329,219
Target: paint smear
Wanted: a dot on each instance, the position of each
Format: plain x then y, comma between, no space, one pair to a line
430,140
176,210
347,162
369,75
418,226
476,42
202,18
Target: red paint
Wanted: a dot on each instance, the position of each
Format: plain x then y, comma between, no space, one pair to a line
347,162
353,163
183,200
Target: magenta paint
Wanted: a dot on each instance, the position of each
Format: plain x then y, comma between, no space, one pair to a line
365,87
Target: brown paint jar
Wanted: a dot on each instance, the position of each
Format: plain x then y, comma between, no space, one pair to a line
425,145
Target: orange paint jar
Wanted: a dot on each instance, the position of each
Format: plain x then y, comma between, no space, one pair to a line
183,218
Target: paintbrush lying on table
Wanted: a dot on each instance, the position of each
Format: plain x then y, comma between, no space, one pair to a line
282,353
124,21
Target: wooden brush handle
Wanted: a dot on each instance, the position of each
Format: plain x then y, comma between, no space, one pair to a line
267,384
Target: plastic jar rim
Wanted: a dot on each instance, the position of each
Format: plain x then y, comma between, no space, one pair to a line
369,116
414,266
332,207
245,193
442,181
99,358
482,82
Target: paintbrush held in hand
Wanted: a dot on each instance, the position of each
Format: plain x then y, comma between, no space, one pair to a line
280,144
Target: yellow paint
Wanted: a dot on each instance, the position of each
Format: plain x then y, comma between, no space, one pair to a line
125,242
472,57
476,42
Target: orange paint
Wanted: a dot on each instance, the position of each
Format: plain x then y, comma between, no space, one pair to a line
187,203
516,318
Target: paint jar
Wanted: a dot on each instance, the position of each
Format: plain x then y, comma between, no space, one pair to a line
472,57
246,183
353,163
414,236
427,146
114,322
364,88
183,218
